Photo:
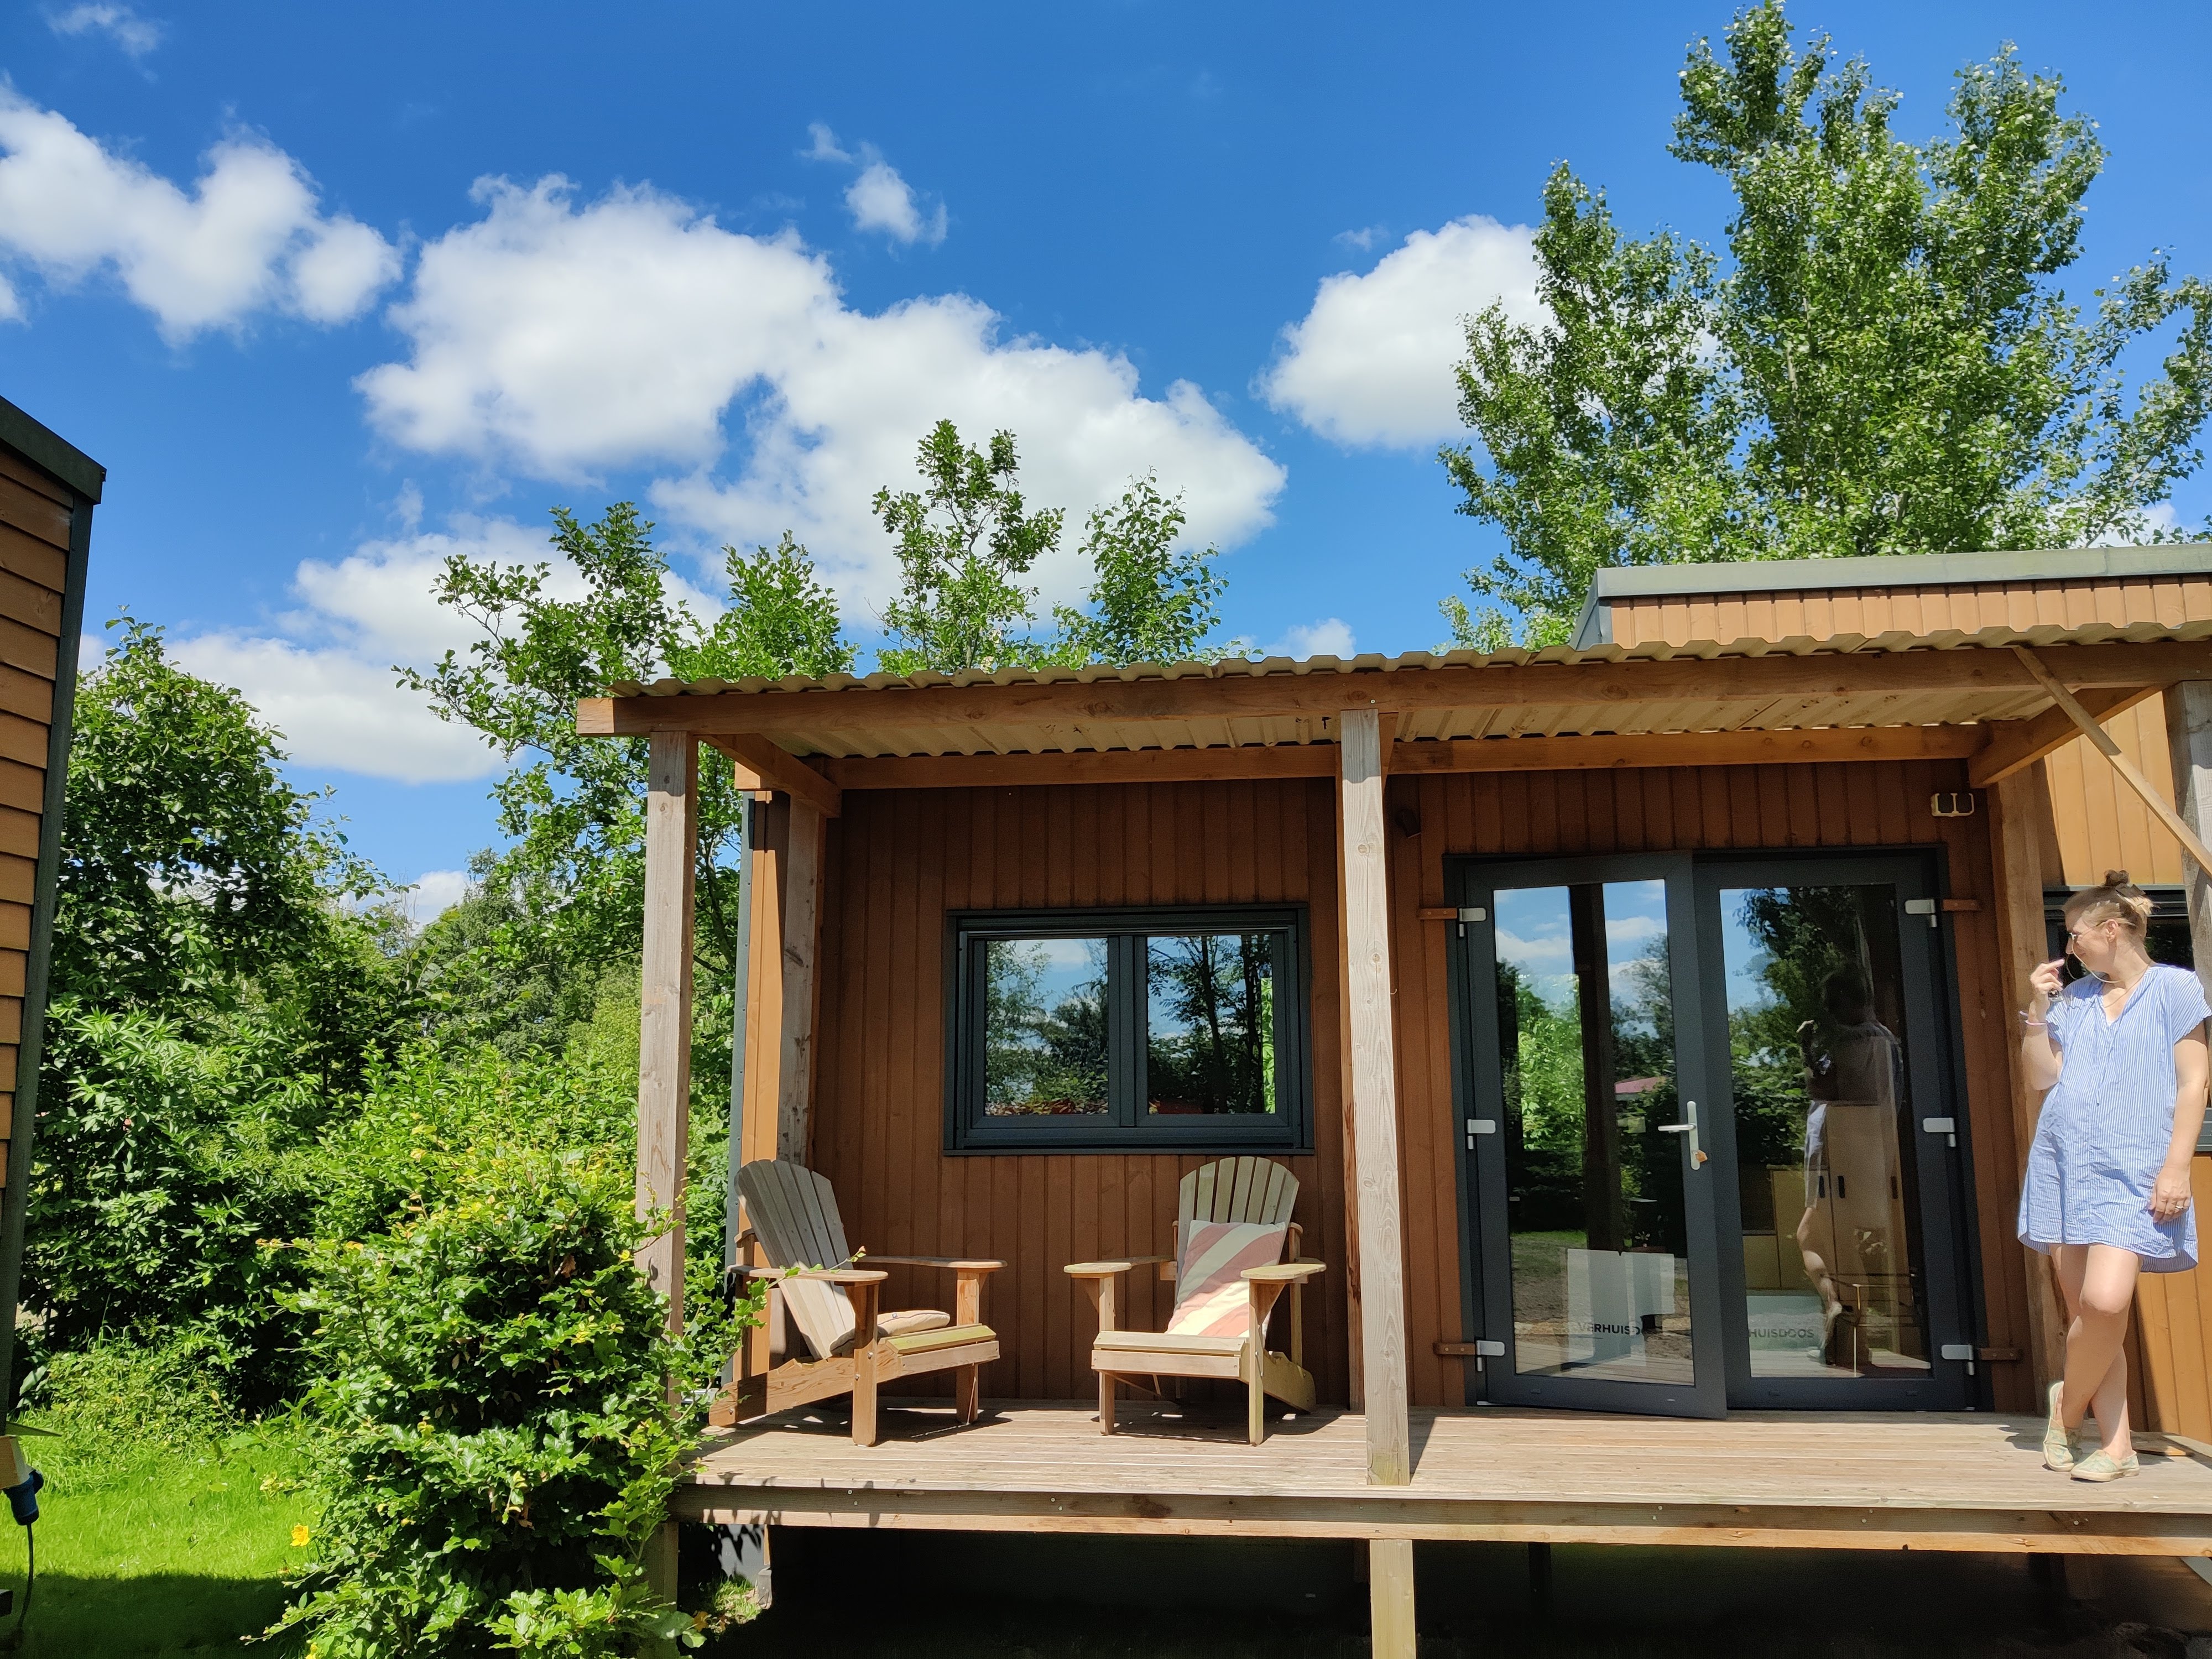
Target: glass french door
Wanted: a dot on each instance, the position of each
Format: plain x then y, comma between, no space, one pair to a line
1844,1285
1586,1149
1709,1155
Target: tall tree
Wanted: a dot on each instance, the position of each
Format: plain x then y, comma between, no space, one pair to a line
965,539
1150,600
574,807
1883,363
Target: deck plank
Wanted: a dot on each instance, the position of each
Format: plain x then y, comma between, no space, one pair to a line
1966,1481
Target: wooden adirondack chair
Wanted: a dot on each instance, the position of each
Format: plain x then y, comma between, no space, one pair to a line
1242,1189
791,1213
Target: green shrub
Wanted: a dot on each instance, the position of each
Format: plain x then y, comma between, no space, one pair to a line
117,1393
498,1441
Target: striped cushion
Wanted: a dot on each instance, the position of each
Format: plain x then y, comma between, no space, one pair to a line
1211,1298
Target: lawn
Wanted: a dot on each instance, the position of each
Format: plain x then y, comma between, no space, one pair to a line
153,1549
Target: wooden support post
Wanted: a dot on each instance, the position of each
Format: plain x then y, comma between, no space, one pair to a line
802,949
2189,739
1390,1598
2015,813
664,1061
1373,1107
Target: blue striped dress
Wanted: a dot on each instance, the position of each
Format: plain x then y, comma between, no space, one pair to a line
2107,1122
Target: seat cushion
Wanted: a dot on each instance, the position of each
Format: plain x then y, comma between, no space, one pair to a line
911,1323
1211,1257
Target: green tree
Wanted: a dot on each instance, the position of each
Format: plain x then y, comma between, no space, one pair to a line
964,541
188,866
1149,601
1884,362
573,806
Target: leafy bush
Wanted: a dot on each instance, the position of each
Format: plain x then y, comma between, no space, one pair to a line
498,1441
162,1162
118,1394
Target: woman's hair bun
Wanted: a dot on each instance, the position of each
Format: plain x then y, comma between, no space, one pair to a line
2114,899
2116,879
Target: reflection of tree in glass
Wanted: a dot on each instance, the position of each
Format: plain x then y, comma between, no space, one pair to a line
1543,1085
1211,1023
1038,1060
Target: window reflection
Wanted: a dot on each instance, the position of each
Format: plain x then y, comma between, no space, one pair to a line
1210,1023
1045,1028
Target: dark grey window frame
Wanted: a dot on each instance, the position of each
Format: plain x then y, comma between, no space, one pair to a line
966,1128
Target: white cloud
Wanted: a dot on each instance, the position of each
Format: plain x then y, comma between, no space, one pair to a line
1330,637
250,237
879,199
1364,239
136,35
560,339
322,674
432,894
1371,362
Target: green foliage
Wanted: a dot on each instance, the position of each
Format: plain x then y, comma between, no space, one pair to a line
1149,601
498,1439
573,806
964,541
118,1394
162,1162
189,868
1884,364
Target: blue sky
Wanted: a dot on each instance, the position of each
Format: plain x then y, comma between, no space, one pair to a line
332,291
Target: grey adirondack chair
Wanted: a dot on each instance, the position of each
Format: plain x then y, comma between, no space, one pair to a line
853,1346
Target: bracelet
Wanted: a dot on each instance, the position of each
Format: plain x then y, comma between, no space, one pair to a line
2033,1024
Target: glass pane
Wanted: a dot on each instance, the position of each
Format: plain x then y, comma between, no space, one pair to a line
1825,1147
1045,1028
1600,1249
1210,1023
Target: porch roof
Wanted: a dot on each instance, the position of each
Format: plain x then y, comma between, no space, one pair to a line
1900,683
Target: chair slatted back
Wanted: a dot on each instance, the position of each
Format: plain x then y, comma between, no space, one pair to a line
794,1213
1238,1189
1235,1189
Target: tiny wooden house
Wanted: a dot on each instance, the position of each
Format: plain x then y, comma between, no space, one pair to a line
47,491
1636,1018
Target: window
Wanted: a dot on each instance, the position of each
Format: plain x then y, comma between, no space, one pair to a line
1096,1030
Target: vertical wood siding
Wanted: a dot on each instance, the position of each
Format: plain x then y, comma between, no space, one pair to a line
1824,613
899,860
2102,823
35,512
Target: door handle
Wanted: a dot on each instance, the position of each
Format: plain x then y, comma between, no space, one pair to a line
1689,1127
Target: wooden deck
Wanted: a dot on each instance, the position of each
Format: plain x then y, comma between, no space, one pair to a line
1971,1481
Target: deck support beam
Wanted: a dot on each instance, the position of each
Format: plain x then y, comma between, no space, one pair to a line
2016,805
1373,1106
664,1059
1390,1598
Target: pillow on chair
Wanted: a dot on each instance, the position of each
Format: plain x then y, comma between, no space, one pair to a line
1211,1298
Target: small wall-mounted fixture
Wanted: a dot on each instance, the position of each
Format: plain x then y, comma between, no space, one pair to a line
1958,805
1408,822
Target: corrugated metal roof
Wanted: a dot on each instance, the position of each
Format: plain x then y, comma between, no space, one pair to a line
862,727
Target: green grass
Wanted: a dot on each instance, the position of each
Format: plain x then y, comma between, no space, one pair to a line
153,1549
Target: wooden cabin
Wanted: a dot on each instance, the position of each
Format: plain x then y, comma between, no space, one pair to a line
47,491
1637,1024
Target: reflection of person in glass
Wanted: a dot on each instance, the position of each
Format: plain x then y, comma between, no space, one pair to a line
2121,1054
1853,1065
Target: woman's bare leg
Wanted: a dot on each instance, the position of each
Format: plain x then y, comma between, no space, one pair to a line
2099,1282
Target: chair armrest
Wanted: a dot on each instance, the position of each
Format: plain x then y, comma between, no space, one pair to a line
957,1263
1107,1269
1288,1272
839,1275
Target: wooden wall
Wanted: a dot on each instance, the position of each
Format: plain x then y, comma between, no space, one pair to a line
1824,613
35,515
2101,823
898,861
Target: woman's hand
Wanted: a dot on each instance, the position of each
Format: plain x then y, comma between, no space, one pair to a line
2170,1197
2048,980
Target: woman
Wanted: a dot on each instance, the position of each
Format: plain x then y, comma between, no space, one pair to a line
2121,1054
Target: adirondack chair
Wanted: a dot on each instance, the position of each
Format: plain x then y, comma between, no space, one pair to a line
791,1213
1236,1190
